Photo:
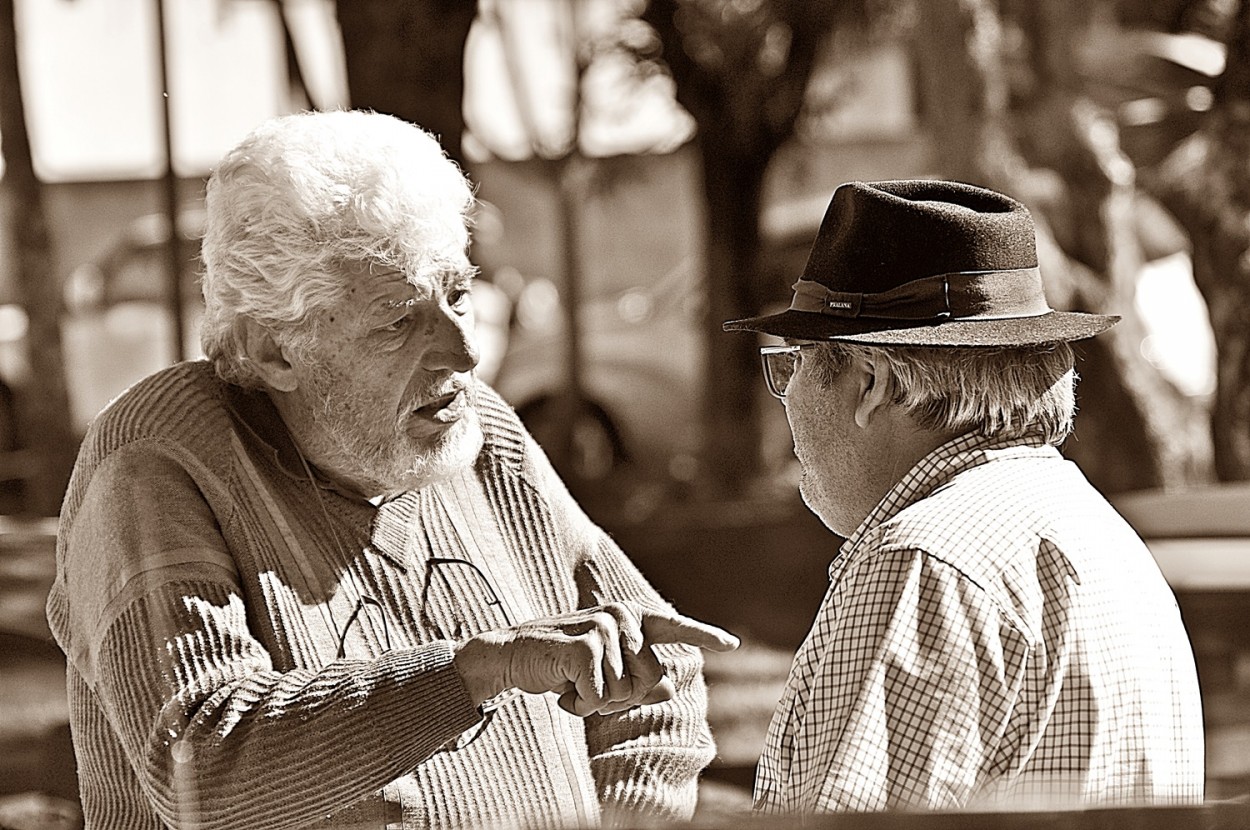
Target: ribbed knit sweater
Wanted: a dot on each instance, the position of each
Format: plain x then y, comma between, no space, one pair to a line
250,647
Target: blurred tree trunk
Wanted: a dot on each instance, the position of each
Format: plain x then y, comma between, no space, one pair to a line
43,408
1205,183
1043,142
741,71
733,178
407,59
297,87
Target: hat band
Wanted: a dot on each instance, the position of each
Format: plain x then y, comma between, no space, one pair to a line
974,295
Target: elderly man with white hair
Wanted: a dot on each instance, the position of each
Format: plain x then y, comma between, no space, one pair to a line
326,578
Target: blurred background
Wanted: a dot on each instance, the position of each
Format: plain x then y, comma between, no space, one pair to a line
646,170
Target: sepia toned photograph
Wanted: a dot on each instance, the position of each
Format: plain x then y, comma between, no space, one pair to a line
638,414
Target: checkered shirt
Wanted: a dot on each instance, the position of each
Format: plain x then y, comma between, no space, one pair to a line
994,635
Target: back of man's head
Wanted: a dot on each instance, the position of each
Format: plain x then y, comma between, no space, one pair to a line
1006,392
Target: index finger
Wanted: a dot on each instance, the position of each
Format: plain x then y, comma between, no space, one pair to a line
669,628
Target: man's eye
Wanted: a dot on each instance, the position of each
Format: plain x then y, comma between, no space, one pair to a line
459,298
394,326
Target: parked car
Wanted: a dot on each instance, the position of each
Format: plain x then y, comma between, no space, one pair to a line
641,372
640,366
117,326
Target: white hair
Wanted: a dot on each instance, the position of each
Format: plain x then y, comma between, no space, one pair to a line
302,196
998,392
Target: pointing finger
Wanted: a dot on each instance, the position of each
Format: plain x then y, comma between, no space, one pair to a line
664,628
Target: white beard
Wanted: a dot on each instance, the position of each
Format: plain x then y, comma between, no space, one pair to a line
385,460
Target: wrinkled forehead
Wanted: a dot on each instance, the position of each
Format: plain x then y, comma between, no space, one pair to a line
392,285
414,244
417,252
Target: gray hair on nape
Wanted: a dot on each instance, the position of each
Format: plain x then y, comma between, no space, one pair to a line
302,196
1002,392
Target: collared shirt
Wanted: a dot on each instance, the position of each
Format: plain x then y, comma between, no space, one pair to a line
994,634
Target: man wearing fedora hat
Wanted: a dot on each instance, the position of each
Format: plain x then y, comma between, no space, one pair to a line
994,633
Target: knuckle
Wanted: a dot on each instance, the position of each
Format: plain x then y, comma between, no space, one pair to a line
604,621
590,648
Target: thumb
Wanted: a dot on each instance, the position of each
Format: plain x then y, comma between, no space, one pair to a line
574,704
664,628
660,692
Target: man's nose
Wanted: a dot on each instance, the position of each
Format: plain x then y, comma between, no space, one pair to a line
452,344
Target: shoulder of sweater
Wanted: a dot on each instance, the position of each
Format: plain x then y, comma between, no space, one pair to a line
184,404
505,436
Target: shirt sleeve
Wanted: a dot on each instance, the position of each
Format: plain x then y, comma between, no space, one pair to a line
156,624
646,762
917,674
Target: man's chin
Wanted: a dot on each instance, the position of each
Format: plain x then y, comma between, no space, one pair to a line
458,450
813,498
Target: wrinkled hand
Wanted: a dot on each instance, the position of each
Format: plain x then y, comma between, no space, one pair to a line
599,660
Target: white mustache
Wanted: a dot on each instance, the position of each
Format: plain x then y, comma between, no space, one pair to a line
450,388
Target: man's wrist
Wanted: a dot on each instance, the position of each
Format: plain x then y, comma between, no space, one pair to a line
477,661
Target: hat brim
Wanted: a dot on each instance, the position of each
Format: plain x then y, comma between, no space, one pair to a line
1052,327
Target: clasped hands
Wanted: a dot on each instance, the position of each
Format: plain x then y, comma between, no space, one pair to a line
598,660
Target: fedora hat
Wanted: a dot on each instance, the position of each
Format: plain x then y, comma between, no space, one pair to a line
924,263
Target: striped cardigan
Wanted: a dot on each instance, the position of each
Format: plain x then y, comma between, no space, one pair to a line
249,647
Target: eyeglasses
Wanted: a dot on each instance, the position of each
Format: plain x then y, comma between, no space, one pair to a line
462,579
779,365
459,578
365,602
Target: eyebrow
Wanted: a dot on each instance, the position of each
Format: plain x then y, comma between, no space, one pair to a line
453,276
446,277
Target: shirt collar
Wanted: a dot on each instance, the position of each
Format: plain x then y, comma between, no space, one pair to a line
937,469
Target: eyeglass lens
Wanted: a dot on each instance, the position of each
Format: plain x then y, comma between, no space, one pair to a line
778,370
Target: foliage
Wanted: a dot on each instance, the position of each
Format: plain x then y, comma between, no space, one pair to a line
1204,180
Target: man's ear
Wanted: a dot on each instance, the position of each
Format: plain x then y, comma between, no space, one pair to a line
875,383
265,353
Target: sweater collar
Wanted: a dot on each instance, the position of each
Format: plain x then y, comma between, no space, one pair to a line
256,413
